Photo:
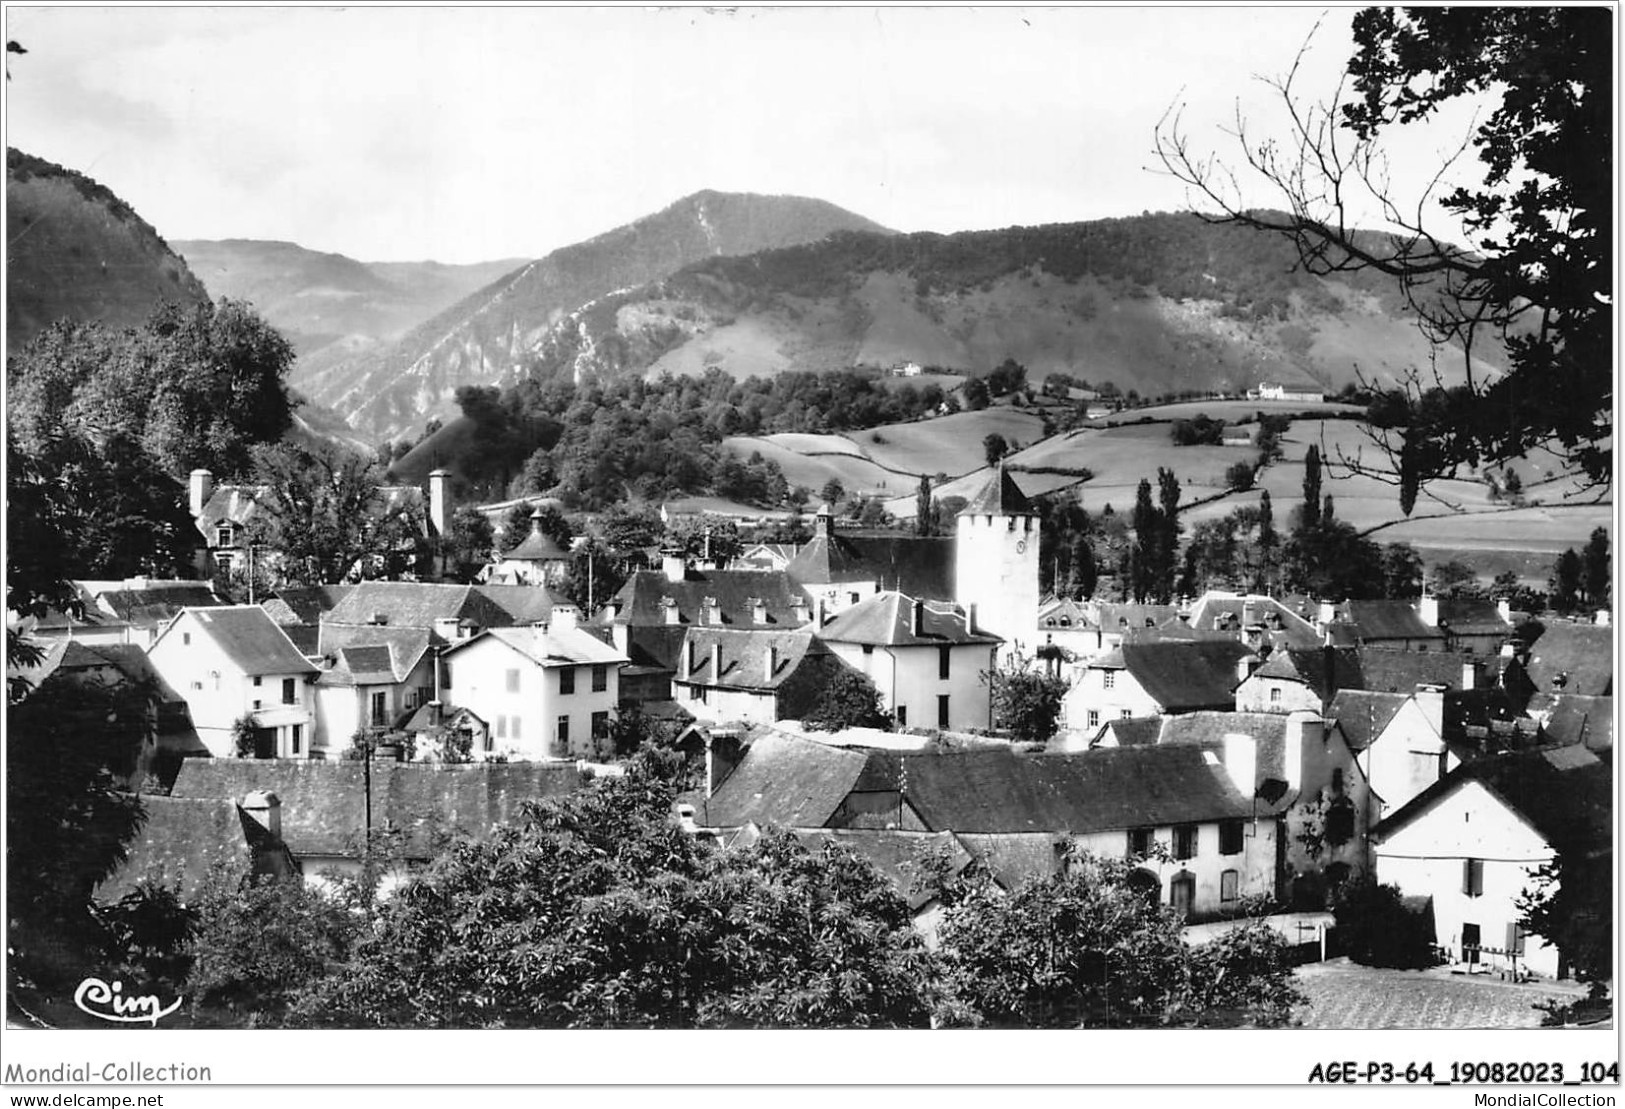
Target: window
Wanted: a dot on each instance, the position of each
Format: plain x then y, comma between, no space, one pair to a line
1338,784
1340,822
380,709
296,735
1108,679
600,678
425,694
1275,695
1185,841
1182,893
513,731
695,693
1094,718
902,716
445,675
853,598
1126,714
868,649
1230,837
942,710
1472,877
1230,886
288,697
562,732
510,681
186,639
1514,938
257,706
1139,841
567,681
502,727
943,655
256,681
223,535
600,725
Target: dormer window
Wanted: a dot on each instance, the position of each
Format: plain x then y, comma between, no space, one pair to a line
224,535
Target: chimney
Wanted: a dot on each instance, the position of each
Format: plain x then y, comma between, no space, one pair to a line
713,612
265,808
436,711
199,489
691,655
802,609
1428,609
1245,665
823,614
716,662
446,628
378,619
1503,609
758,611
438,508
970,619
1429,698
1304,731
1241,762
622,636
673,614
1249,614
672,564
1327,613
563,616
772,662
1469,675
917,620
825,527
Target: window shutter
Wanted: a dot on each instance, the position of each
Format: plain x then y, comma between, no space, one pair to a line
1467,877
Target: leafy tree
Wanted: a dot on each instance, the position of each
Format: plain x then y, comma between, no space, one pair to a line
922,508
1240,477
1243,977
516,525
597,911
1309,513
1401,572
976,394
848,700
1455,579
468,544
1007,377
625,529
833,492
1570,905
1565,581
1596,569
1376,929
1026,702
324,513
1536,276
715,538
994,447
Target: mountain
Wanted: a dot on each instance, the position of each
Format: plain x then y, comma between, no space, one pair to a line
318,300
1157,303
76,251
480,340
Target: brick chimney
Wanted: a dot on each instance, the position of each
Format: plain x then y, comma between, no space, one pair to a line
198,490
265,809
439,508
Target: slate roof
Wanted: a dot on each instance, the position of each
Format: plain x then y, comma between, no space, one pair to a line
1119,617
783,780
1269,731
1184,675
156,602
1309,666
304,604
1402,671
1013,858
1573,658
640,599
236,504
548,646
253,642
537,546
1364,714
1065,615
893,853
1571,718
1472,616
524,604
916,565
1376,620
371,655
1216,613
1000,791
417,605
1001,496
887,619
1135,731
323,803
744,656
1565,794
182,838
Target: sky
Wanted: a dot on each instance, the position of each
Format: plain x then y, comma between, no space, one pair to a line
395,134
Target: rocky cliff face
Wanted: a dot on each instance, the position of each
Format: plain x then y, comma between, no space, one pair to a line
483,339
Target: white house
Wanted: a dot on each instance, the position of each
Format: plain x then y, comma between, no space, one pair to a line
536,560
233,662
926,658
1473,841
1154,678
546,692
752,675
372,677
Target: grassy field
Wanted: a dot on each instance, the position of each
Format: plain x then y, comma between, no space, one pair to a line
1231,411
1344,995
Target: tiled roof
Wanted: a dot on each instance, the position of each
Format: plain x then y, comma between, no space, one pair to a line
1389,620
1364,714
1570,718
324,803
1573,658
182,838
1565,793
1001,496
1183,675
254,642
1092,791
918,566
416,605
640,599
548,646
784,780
745,655
887,619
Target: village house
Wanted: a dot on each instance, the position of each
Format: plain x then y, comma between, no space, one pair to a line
235,664
1301,394
1111,803
1155,678
928,659
1068,634
183,839
1572,718
1298,680
534,560
751,675
1569,657
547,692
1474,839
836,570
1262,623
372,676
132,610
